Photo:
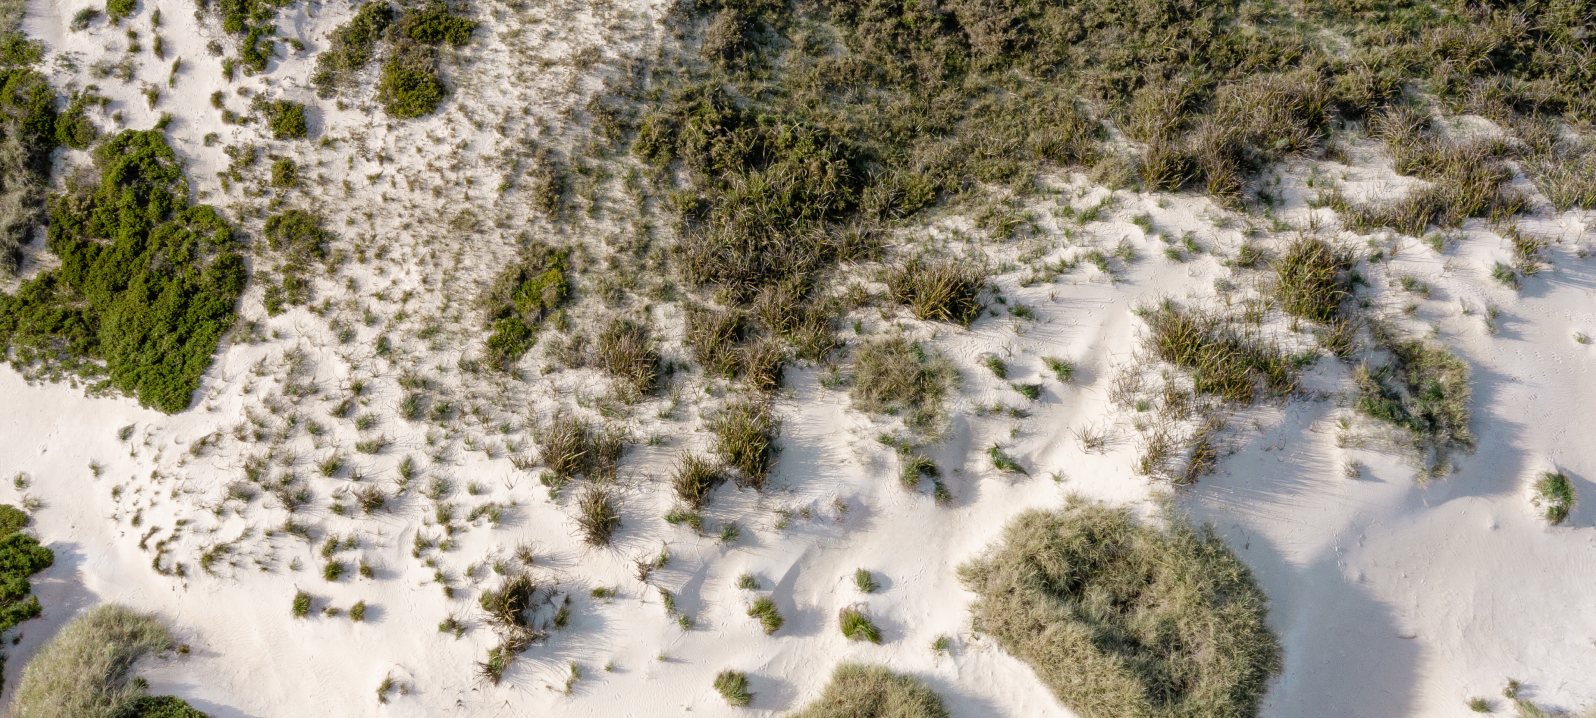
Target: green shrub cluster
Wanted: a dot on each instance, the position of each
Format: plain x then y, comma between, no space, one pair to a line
21,556
147,284
252,19
285,118
520,298
1119,618
165,707
29,127
352,46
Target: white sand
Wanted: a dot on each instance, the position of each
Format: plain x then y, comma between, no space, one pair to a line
1392,598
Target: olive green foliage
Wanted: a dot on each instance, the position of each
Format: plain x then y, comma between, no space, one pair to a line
897,376
1312,279
285,173
119,9
84,671
147,284
73,128
1120,619
410,86
21,556
1554,493
520,298
29,128
352,46
745,434
1423,389
945,290
253,20
626,351
861,691
733,686
298,238
1225,358
286,119
165,707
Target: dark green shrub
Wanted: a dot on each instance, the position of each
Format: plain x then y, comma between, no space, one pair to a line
286,119
297,234
118,9
520,298
285,173
21,556
147,283
409,87
1120,618
1555,494
73,128
352,46
165,707
434,25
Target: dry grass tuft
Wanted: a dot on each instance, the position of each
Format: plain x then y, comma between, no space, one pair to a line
1225,359
944,290
695,478
1122,619
598,515
897,376
860,691
745,434
1312,279
571,447
84,671
625,350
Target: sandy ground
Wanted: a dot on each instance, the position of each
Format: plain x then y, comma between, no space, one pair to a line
1393,598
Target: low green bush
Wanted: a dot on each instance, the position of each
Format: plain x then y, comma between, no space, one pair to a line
433,25
409,86
165,707
520,298
861,691
285,173
286,119
1121,618
147,284
352,45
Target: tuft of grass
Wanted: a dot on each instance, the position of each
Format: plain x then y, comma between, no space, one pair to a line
747,582
1225,359
1554,494
1004,462
745,434
860,691
863,581
301,606
1424,389
625,350
1311,279
713,337
85,670
695,478
357,612
598,515
897,376
1063,370
995,364
944,290
1189,622
733,686
1479,705
764,609
571,447
857,626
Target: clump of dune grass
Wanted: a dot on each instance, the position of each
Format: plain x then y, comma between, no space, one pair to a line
694,479
1225,359
1554,495
946,290
572,447
745,433
625,350
1423,389
733,686
506,610
897,376
1311,279
713,337
861,691
84,672
857,626
1121,618
598,515
764,609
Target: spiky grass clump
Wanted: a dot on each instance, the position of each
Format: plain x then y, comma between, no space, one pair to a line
1119,618
764,609
945,290
626,351
695,478
733,686
506,609
898,376
1311,279
745,435
713,337
1225,359
572,448
1424,390
84,671
860,691
598,515
857,626
1554,494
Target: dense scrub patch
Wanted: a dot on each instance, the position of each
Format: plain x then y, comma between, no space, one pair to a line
29,130
897,376
1423,389
1313,279
860,691
285,118
21,556
410,85
84,671
252,19
165,707
1119,618
520,298
147,284
353,44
